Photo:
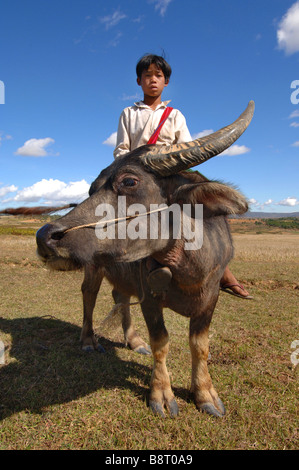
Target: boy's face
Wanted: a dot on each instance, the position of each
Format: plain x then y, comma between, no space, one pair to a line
152,81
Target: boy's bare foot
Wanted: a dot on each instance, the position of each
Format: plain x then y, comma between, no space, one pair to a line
159,279
237,290
230,285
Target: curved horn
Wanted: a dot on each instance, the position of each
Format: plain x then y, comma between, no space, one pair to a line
170,159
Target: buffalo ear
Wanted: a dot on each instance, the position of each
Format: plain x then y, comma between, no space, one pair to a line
217,198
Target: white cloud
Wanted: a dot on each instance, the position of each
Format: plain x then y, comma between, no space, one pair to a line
7,189
288,30
260,205
112,20
295,144
202,134
138,19
289,201
161,5
257,205
136,97
35,147
115,41
4,137
268,202
111,141
294,114
53,191
236,150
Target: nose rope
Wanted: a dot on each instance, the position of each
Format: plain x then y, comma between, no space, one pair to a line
119,219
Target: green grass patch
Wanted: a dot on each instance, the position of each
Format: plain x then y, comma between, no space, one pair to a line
287,223
11,230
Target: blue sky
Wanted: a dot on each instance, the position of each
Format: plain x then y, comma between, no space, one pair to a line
67,70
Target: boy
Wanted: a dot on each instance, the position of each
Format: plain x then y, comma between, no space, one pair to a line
136,126
137,123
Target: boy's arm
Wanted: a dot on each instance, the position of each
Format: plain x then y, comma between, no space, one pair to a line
182,133
123,142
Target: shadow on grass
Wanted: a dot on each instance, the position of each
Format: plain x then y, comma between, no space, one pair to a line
47,367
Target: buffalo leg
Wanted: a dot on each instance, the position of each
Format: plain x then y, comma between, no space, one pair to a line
160,389
90,287
205,396
132,339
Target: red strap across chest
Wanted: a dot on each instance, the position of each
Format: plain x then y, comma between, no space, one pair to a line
164,116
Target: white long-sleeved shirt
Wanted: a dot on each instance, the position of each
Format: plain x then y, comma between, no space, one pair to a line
137,124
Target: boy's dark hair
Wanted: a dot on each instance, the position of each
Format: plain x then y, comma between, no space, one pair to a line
160,62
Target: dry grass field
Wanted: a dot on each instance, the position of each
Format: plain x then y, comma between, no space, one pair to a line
54,396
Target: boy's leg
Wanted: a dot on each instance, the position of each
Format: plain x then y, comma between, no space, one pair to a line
159,276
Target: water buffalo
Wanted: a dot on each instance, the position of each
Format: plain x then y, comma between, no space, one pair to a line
154,176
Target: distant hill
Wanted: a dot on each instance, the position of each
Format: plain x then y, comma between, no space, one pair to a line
266,215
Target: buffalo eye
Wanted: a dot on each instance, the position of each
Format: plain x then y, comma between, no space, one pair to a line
129,182
126,183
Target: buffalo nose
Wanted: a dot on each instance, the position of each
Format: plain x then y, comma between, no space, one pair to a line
47,236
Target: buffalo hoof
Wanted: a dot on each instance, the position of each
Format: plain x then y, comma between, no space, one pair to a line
209,408
173,408
90,348
157,408
146,350
100,349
